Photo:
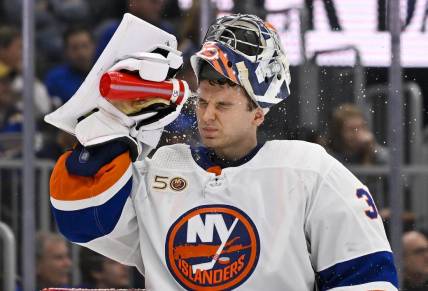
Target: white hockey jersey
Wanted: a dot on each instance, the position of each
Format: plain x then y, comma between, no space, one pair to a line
291,218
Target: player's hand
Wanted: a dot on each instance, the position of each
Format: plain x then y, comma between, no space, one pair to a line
135,121
131,82
131,107
108,123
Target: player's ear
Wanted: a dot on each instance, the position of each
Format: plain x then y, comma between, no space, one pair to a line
259,116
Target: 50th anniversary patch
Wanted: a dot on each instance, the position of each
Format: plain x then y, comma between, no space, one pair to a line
213,247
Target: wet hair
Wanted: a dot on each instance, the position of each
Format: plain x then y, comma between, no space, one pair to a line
208,73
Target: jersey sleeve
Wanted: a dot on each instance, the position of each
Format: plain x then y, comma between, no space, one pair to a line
347,242
91,199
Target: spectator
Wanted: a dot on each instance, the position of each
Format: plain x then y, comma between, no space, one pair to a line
415,261
11,61
10,124
102,11
10,49
63,81
51,18
148,10
408,220
71,10
190,36
53,263
350,139
10,116
101,272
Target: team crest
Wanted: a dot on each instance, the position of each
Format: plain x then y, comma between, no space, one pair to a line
212,247
178,184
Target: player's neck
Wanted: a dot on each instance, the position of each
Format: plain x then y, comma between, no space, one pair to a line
235,152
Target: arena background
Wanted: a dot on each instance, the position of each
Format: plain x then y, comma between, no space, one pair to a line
339,51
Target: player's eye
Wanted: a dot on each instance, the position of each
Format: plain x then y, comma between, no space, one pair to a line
202,103
223,105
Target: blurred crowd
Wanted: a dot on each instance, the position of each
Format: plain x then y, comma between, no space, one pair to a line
53,266
70,36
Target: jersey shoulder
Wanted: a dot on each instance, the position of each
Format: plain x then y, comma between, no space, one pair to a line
296,154
174,157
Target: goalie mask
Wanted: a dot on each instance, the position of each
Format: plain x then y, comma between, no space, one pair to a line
248,52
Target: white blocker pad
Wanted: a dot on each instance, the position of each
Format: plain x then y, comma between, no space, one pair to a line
132,35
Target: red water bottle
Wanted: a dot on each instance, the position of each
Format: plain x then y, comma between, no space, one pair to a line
128,86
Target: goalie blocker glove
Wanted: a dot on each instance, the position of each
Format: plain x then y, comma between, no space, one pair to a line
141,129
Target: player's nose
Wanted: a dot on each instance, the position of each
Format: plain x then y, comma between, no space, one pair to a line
208,113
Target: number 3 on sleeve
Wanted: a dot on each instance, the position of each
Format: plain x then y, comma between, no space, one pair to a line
372,211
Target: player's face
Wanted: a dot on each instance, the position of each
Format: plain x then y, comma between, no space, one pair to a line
80,51
416,256
225,122
113,275
55,265
356,135
13,54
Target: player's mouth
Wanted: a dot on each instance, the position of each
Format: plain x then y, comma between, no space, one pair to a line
209,131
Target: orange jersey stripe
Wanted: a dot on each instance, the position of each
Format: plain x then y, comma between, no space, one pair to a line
64,186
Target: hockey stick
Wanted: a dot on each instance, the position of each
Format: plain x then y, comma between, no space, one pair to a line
210,265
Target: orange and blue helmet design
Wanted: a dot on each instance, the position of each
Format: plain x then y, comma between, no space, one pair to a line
248,52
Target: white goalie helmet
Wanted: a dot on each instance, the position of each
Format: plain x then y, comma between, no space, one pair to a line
247,51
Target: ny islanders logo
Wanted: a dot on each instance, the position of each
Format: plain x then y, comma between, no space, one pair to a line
212,247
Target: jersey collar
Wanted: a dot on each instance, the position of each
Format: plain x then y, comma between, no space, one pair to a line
208,160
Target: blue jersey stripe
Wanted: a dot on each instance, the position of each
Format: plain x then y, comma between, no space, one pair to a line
374,267
88,161
90,223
